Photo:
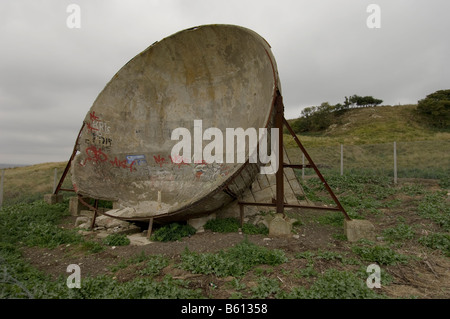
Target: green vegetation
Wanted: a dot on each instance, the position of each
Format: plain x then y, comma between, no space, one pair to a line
223,225
172,232
436,108
379,254
35,224
434,207
116,240
235,261
231,225
437,241
318,118
335,284
399,233
154,265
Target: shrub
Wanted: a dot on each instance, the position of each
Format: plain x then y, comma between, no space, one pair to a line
251,229
173,232
223,225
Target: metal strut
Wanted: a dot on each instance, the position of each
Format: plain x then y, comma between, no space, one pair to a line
279,203
66,170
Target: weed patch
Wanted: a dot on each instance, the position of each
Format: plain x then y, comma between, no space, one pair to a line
437,241
334,284
381,255
401,232
235,261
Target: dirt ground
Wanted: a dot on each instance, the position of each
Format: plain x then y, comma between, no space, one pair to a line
427,277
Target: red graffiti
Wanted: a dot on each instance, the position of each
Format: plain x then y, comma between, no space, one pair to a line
160,160
90,128
122,164
178,160
95,155
94,117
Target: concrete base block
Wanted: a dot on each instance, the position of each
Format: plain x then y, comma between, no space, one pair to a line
53,199
357,229
75,206
198,223
279,226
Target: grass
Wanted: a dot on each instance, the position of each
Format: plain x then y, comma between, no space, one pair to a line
116,240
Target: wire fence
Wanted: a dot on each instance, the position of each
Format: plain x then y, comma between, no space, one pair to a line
422,159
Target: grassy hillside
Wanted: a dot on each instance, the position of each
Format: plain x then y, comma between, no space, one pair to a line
374,125
26,184
368,135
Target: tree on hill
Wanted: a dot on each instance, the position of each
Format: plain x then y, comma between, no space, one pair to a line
436,108
363,101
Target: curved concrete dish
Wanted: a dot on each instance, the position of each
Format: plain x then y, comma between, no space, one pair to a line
224,75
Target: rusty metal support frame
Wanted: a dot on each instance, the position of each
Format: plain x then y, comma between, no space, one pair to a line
66,170
279,203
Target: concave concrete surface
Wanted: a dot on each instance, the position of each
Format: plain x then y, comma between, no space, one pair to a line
224,75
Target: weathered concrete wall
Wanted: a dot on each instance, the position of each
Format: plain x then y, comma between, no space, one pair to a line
224,75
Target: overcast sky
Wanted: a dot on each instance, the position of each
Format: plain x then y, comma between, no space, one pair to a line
50,74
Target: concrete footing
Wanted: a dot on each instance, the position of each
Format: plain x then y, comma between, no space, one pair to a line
53,198
357,229
280,226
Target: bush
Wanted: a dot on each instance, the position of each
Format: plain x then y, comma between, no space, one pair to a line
173,232
116,240
436,108
251,229
223,225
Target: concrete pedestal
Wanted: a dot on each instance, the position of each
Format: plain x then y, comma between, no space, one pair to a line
357,229
53,199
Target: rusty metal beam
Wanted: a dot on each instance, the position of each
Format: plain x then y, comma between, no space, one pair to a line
279,116
311,162
66,170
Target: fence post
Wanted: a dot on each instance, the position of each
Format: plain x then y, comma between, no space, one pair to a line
1,187
303,166
395,162
342,159
55,182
